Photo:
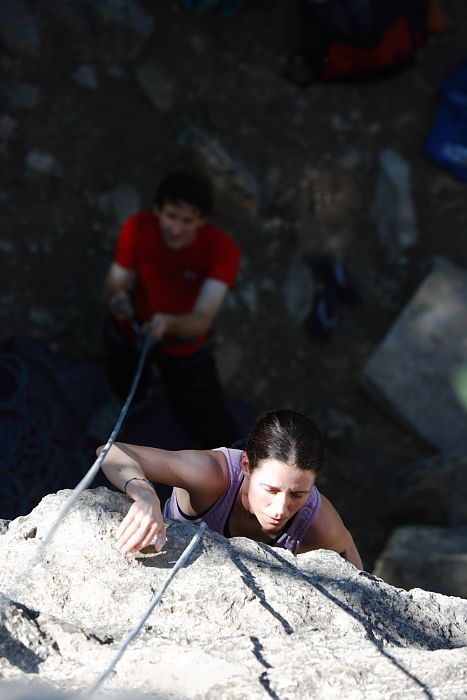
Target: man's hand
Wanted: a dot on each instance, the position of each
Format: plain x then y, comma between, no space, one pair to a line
120,306
143,525
158,326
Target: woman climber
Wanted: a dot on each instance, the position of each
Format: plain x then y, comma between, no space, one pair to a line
266,492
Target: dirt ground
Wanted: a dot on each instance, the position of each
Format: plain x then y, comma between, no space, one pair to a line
305,166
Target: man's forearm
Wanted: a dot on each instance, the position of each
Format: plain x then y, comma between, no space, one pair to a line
188,325
180,325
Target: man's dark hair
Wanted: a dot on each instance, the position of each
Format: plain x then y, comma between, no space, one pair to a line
186,187
287,436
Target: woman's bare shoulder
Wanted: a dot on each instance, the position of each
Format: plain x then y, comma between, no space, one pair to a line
206,482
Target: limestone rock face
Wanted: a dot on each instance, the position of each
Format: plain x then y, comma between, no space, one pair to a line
240,619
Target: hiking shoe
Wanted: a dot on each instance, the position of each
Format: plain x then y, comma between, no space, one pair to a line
333,274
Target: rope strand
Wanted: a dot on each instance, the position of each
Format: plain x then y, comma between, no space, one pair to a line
136,630
91,473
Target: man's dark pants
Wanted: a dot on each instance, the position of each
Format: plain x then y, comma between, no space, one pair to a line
192,384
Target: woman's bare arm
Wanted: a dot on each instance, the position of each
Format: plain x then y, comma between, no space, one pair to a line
200,473
327,531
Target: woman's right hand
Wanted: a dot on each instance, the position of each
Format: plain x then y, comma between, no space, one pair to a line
143,525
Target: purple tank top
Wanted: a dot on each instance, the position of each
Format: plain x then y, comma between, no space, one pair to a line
217,516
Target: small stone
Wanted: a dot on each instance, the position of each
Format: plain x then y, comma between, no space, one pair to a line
228,174
128,13
268,285
393,208
298,290
42,162
40,317
24,95
350,160
197,43
272,225
123,201
271,185
338,123
249,296
157,87
85,76
116,71
374,128
7,127
126,201
6,247
229,357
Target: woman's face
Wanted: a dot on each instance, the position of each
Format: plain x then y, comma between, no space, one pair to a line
276,491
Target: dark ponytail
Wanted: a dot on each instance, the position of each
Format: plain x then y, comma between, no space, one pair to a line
287,436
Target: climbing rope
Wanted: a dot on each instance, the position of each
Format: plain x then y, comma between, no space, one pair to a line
91,473
19,375
137,629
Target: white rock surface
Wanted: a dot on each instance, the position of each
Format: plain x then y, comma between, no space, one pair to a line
240,620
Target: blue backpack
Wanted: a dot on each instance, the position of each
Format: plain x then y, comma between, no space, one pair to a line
447,141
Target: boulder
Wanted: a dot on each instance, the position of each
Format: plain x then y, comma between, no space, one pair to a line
422,556
240,619
433,491
411,371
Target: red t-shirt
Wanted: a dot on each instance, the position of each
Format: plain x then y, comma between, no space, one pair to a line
169,281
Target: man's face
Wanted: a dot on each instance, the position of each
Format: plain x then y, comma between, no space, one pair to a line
179,224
